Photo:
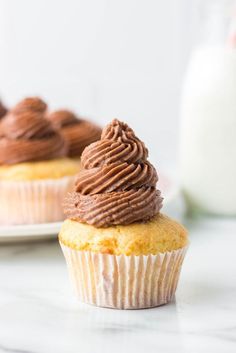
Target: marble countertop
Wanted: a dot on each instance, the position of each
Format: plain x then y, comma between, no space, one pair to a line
39,314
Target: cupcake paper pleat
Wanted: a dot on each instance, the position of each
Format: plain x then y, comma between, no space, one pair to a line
31,202
124,282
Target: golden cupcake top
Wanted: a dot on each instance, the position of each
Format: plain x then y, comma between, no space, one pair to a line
117,184
27,136
77,132
158,235
48,169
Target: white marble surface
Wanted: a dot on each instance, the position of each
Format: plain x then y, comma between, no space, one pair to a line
39,314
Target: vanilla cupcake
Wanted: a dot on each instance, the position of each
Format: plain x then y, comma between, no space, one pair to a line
77,132
120,250
35,174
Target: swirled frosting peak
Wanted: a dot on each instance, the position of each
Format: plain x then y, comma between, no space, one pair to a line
117,184
26,135
77,132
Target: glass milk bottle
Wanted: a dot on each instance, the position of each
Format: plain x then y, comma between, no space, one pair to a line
208,136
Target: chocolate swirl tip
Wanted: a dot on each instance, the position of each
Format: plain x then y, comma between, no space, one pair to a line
118,144
26,135
117,184
77,132
118,131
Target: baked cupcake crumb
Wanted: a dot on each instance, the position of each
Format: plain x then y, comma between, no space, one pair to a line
159,235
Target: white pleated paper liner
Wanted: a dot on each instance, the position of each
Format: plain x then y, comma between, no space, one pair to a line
37,201
124,282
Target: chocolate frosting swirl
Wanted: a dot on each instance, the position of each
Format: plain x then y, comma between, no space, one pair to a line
117,184
26,135
78,133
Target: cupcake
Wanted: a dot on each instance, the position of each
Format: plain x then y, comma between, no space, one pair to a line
77,132
35,174
121,252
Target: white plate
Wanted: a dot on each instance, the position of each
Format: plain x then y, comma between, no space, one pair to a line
50,230
29,232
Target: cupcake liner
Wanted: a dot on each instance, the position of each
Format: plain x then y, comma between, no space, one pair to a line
31,202
124,282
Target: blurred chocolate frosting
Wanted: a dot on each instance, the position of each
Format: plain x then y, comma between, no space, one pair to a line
77,132
3,110
26,135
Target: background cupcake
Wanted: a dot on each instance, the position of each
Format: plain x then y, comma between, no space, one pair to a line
34,172
77,132
120,251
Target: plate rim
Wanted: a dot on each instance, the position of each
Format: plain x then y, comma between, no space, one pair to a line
30,230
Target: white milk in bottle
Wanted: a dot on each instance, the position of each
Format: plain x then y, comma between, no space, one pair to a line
208,136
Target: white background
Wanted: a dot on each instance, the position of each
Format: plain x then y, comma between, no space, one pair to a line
103,58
